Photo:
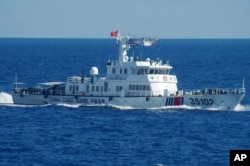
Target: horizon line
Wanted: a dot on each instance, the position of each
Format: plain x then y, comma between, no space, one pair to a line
176,38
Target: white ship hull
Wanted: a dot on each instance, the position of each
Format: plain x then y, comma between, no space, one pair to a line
218,101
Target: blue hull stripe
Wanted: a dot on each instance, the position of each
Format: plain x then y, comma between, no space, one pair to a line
169,101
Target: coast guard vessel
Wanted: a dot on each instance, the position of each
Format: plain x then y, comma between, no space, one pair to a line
129,83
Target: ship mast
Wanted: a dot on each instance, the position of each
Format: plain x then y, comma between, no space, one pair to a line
123,46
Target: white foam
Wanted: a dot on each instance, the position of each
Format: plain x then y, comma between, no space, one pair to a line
5,98
240,107
69,105
154,108
183,107
79,105
121,107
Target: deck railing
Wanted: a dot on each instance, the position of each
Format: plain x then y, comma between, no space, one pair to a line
212,91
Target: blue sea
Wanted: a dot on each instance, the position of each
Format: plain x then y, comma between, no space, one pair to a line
72,135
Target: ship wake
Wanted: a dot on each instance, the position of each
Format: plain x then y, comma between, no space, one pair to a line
240,107
183,107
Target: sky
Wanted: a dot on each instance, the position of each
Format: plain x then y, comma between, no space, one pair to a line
97,18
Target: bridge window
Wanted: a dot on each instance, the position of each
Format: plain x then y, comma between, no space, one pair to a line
139,87
158,71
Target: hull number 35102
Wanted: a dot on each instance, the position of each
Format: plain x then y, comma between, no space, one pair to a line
201,101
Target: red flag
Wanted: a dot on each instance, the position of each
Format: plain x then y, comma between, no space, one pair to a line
114,33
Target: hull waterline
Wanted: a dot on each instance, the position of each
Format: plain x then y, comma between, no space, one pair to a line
221,102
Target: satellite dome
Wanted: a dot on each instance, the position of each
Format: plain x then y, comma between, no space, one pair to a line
94,71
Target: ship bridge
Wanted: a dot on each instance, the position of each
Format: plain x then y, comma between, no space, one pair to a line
138,77
137,67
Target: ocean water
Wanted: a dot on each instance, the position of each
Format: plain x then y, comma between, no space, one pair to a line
77,135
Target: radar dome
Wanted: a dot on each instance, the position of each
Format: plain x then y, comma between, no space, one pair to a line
94,71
